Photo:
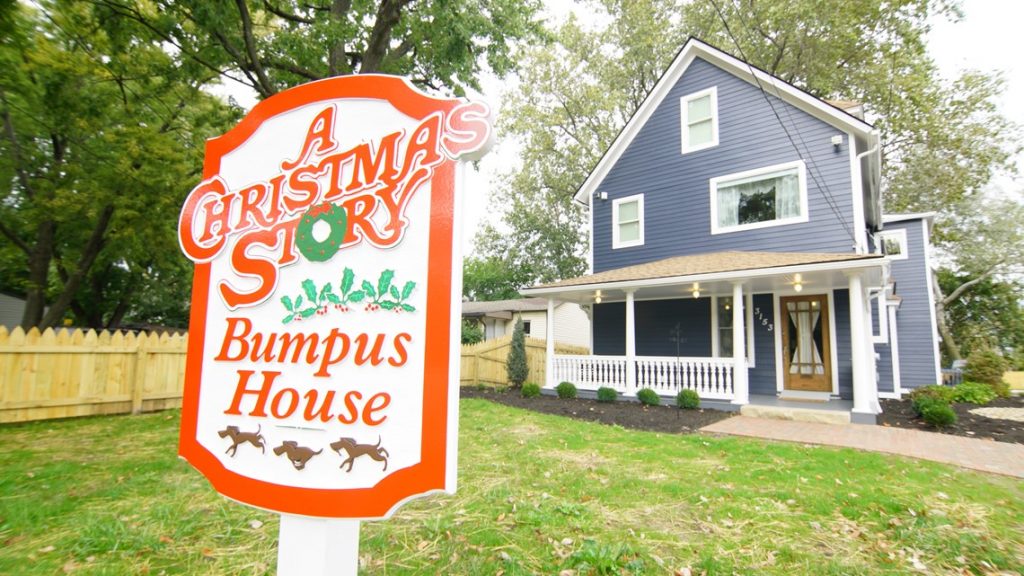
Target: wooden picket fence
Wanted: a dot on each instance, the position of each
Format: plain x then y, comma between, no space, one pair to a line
485,362
57,374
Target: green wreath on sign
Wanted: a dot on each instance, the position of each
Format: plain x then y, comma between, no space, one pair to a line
321,250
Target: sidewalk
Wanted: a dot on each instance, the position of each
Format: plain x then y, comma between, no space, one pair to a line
984,455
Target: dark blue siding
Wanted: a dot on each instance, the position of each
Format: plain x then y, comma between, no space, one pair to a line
762,375
675,186
841,304
655,320
883,361
914,317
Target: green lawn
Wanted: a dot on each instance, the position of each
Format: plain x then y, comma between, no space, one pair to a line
537,495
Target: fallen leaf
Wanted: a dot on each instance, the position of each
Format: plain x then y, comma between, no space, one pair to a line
423,544
166,540
207,553
566,541
46,549
255,524
504,556
69,567
685,571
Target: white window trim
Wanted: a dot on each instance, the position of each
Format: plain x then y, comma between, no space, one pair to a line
901,235
879,305
616,243
801,172
748,326
684,120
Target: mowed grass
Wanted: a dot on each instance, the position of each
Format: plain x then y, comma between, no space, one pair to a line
537,494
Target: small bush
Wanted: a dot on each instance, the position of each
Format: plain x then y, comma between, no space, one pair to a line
943,393
985,366
606,394
566,390
648,397
973,393
688,399
938,414
1002,389
531,390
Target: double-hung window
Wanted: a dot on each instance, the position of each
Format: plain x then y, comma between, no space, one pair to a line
699,114
893,243
628,221
770,196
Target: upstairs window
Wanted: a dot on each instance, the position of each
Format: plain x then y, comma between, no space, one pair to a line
893,244
699,113
770,196
628,221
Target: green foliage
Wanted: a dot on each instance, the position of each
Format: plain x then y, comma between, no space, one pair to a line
936,391
492,278
605,559
985,365
648,397
607,395
516,367
688,399
974,393
1002,389
531,390
472,332
937,413
566,390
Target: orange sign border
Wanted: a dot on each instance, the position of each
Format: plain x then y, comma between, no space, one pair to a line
429,475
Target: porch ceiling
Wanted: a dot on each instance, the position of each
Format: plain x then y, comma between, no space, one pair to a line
760,272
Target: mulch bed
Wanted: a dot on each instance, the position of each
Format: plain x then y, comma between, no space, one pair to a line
899,413
627,414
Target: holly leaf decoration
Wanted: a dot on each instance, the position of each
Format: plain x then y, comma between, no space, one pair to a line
333,298
347,278
407,307
388,305
356,296
324,292
310,289
407,289
298,303
394,293
287,302
368,289
385,281
287,319
306,313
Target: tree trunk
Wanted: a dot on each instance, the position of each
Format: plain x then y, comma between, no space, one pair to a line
89,253
948,343
38,274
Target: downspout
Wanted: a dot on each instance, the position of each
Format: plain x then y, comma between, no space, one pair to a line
871,180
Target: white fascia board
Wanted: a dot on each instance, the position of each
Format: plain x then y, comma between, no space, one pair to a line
712,277
888,218
693,48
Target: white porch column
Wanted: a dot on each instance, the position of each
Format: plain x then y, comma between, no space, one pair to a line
549,353
630,344
739,347
865,393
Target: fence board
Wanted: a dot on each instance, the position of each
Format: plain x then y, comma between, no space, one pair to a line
74,373
485,362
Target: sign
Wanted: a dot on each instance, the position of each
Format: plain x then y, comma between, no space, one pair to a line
323,355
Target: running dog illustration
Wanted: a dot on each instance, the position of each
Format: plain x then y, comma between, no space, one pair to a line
356,450
237,437
298,455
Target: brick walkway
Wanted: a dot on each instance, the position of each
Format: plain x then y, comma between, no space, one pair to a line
977,454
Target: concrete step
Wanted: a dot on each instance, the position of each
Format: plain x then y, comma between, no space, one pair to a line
797,414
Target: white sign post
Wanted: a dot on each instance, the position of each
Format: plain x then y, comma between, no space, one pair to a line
322,374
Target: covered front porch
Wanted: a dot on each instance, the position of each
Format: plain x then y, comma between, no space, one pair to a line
805,321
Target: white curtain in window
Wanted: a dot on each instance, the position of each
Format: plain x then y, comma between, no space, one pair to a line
728,206
787,196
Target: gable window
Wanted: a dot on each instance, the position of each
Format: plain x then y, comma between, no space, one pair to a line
628,221
893,244
770,196
699,113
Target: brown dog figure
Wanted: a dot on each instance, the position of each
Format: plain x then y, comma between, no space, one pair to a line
237,437
298,455
356,450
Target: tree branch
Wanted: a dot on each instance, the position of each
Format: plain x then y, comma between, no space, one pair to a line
388,15
14,238
89,252
15,148
250,48
336,56
967,285
286,15
293,68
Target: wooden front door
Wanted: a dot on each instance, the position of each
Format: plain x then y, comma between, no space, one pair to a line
807,357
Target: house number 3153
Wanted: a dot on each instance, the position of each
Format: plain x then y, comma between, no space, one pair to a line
764,321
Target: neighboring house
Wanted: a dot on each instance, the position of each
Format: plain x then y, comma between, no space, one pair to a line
735,203
12,309
498,318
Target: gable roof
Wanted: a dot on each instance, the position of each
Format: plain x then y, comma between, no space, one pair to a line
694,48
517,305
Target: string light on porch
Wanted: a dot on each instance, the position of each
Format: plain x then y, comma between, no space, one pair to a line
597,297
798,282
696,289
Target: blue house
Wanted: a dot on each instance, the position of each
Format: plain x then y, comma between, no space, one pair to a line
739,249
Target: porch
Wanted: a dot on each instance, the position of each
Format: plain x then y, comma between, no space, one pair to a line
737,328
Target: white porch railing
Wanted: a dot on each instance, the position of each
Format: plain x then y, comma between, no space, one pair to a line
711,378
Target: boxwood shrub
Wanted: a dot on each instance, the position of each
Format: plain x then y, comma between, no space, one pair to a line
566,390
531,390
937,413
648,397
688,399
606,394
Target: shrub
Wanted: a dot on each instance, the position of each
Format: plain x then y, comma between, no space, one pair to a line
1002,389
531,390
648,397
566,390
973,393
985,366
471,332
943,393
688,399
938,414
517,368
606,394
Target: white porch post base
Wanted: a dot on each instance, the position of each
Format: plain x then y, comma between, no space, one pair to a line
317,547
739,347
